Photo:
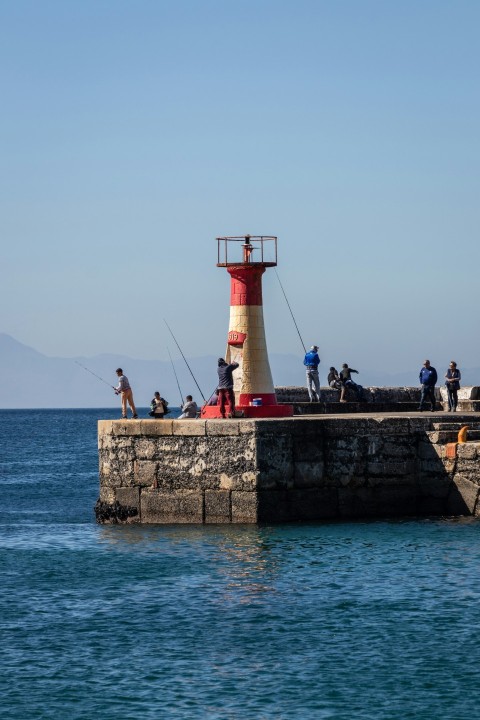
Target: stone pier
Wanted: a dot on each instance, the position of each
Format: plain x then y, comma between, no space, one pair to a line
305,468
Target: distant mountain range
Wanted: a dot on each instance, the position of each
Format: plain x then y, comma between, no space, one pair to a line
29,379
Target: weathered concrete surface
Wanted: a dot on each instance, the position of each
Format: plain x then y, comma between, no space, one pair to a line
468,399
299,394
296,469
471,392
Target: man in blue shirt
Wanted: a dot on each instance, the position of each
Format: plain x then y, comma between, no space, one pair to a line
428,378
311,362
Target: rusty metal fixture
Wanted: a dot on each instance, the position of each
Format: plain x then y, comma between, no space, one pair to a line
451,450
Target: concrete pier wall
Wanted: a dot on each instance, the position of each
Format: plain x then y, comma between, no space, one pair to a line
297,469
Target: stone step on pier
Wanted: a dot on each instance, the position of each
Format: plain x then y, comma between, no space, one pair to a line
338,408
375,399
447,432
465,406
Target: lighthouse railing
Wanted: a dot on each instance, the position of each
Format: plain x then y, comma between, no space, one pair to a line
247,250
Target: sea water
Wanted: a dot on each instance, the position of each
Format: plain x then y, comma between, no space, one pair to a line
375,620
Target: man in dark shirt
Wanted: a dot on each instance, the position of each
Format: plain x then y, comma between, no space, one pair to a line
333,379
428,378
225,386
347,382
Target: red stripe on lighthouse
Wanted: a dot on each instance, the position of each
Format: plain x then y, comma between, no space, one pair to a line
246,285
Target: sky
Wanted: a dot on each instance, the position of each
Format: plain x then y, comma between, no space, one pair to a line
132,134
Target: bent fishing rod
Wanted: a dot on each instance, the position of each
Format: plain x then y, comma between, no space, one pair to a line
186,363
291,312
176,378
94,374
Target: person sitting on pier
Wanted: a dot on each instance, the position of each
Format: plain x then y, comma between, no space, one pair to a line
333,379
347,382
311,362
225,387
158,407
189,409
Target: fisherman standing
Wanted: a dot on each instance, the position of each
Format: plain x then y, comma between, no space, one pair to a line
225,386
311,362
123,388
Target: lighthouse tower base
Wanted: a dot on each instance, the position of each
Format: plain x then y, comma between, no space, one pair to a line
250,411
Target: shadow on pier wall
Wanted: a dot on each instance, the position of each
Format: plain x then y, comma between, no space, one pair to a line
348,469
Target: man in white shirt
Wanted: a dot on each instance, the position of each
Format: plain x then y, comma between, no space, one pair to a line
123,388
190,409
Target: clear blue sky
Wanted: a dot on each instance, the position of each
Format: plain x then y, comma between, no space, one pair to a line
133,133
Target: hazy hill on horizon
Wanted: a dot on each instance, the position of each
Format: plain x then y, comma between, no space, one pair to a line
29,379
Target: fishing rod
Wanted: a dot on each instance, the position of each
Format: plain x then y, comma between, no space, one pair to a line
94,374
186,363
176,378
291,313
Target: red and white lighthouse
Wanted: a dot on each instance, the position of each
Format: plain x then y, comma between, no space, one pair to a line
246,259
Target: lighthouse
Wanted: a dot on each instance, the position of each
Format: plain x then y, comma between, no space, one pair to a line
246,258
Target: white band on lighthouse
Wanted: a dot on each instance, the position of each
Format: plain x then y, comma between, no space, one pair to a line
253,379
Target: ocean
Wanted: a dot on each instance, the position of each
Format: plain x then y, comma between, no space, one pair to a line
354,620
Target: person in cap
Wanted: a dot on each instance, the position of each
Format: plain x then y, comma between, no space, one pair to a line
311,362
125,391
225,386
